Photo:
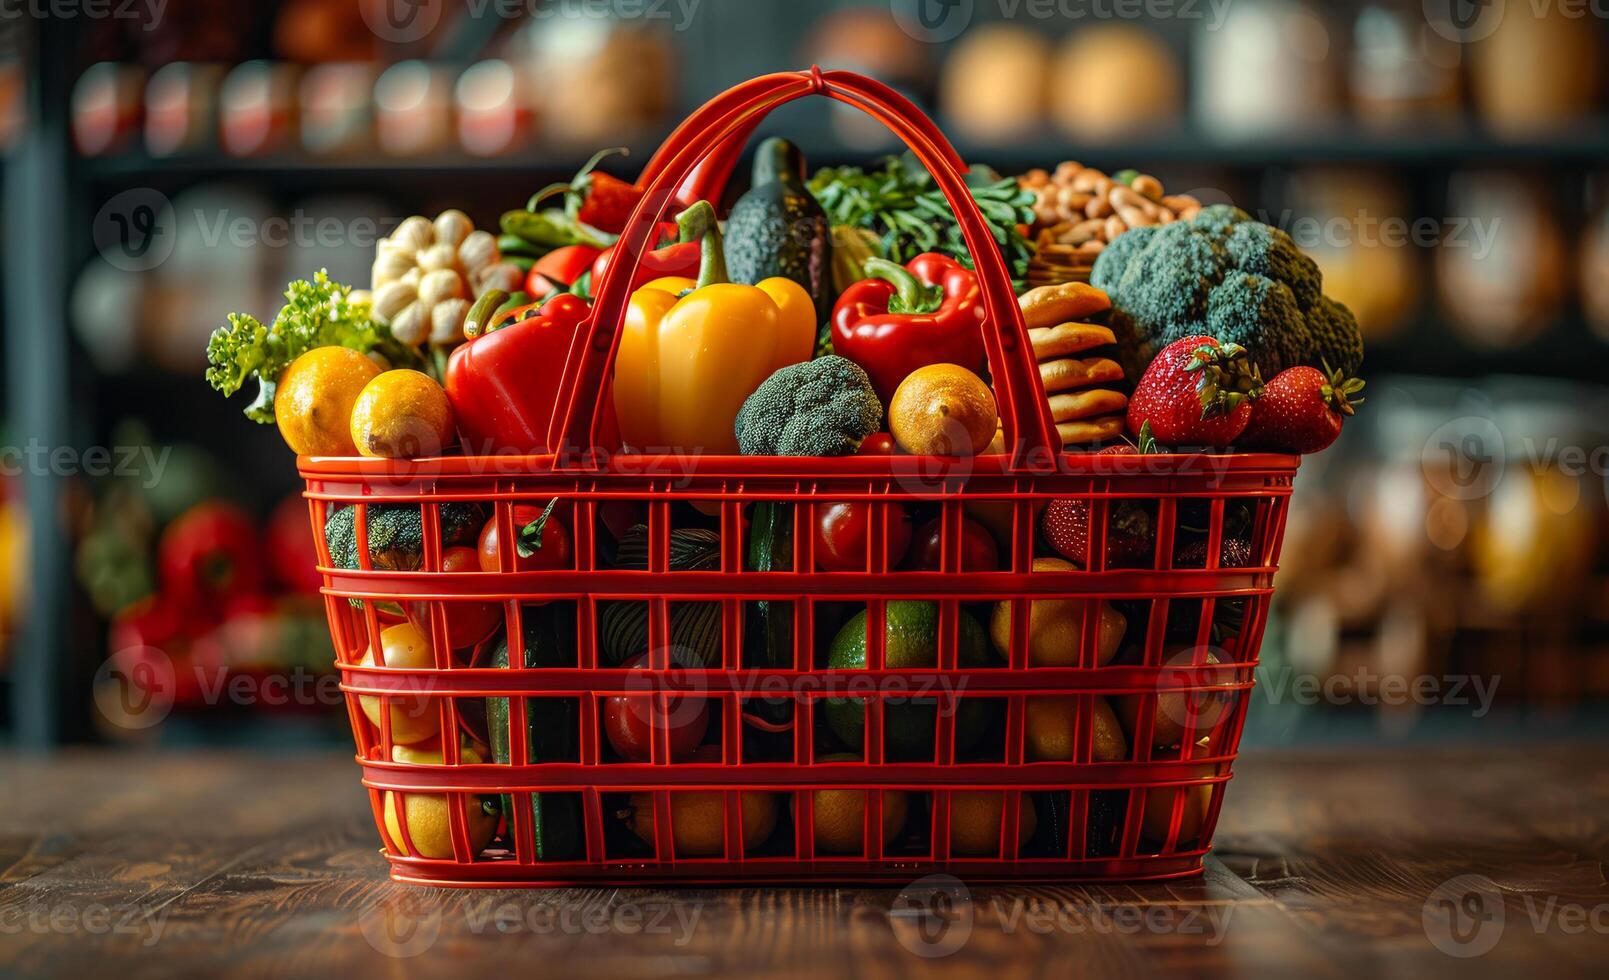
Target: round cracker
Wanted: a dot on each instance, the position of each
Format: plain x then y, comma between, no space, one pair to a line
1088,431
1046,306
1071,406
1068,338
1064,373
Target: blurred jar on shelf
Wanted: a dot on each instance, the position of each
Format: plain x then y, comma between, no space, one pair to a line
181,108
1594,266
1536,73
493,116
1363,244
413,108
106,106
996,83
1504,277
313,31
1403,71
258,108
597,78
337,108
1114,79
1269,67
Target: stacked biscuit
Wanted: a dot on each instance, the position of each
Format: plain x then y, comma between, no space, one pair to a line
1082,385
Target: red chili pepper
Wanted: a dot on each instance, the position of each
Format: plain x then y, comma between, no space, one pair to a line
930,311
672,260
562,265
503,384
595,198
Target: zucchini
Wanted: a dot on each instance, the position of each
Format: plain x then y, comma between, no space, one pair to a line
777,228
554,729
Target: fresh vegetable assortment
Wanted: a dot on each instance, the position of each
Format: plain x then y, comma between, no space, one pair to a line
1199,330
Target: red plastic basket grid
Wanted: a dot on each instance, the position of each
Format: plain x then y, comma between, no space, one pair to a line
692,164
1263,482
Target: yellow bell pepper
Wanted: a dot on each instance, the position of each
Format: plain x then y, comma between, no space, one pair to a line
692,351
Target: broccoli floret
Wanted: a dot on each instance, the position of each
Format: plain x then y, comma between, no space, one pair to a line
396,533
823,407
1223,274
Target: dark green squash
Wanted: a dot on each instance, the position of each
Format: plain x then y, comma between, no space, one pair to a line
778,229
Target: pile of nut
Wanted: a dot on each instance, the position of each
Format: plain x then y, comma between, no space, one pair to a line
427,274
1079,209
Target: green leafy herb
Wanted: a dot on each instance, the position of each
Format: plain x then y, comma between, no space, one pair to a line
901,204
317,313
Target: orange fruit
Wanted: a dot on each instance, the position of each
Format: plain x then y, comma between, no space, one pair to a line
1056,626
413,718
839,815
942,410
1050,732
313,400
402,414
428,815
698,820
1159,809
975,821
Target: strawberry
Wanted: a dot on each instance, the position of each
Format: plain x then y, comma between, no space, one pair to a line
1197,392
1235,553
1129,523
1130,531
1301,410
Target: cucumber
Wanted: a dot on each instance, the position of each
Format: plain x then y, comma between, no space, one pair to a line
553,729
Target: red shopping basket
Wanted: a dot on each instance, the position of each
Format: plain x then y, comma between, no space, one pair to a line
1056,723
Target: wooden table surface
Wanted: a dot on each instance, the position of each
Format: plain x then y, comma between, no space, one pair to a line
1354,864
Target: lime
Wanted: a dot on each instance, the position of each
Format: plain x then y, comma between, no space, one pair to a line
910,631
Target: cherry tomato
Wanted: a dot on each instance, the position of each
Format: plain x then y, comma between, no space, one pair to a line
876,444
630,722
979,553
543,545
468,623
562,265
842,531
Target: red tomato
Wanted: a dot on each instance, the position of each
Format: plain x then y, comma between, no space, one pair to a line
468,623
876,444
979,553
553,550
842,530
562,265
630,722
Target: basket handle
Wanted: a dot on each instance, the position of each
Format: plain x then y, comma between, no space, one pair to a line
712,131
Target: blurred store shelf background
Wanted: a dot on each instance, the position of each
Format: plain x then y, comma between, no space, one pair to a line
1448,172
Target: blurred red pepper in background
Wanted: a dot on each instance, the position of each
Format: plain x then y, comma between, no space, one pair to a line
595,198
209,555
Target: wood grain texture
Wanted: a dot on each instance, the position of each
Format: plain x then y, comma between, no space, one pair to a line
237,865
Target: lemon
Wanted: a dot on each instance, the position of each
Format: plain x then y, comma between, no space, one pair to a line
1050,720
839,815
413,718
402,414
427,815
942,410
1056,626
313,400
975,822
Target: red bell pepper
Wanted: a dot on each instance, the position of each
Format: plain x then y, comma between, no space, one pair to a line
503,385
595,198
209,555
562,266
929,311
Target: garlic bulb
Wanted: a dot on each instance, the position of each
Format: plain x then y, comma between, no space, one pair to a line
390,298
410,324
442,284
452,227
447,321
426,275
